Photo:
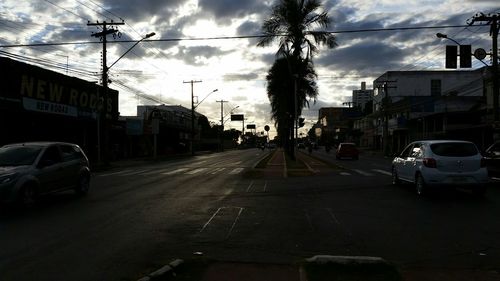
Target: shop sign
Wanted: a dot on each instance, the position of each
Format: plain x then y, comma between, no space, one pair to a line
49,107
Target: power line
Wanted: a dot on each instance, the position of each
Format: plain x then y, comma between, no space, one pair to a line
233,37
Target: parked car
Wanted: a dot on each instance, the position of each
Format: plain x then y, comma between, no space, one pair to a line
492,158
432,163
347,150
28,170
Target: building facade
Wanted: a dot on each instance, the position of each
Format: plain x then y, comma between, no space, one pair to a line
37,104
412,105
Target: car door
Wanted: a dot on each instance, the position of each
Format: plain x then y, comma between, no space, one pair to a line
492,157
400,162
50,170
412,161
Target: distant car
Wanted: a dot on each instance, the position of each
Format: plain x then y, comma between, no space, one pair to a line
492,158
347,150
432,163
271,145
28,170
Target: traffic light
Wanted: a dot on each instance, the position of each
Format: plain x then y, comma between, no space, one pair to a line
451,56
301,122
465,56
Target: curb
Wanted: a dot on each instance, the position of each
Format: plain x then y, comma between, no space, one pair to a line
346,260
262,158
164,270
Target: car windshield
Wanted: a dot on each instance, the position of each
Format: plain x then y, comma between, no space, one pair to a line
18,155
454,149
348,146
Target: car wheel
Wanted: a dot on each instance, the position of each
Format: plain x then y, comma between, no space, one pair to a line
395,177
83,185
420,185
28,196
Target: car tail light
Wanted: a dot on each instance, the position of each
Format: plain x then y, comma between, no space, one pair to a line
430,162
483,162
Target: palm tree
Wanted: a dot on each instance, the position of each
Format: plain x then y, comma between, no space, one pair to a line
280,93
294,23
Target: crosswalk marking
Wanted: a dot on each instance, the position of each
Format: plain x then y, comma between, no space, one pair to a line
345,173
134,173
236,171
195,171
382,172
175,171
362,172
218,170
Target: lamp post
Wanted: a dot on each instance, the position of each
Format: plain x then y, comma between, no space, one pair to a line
193,107
480,54
444,36
105,70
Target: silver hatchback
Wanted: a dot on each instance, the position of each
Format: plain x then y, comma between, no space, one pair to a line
28,170
432,163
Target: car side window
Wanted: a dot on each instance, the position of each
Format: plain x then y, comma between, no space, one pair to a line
406,152
51,155
416,151
70,153
495,149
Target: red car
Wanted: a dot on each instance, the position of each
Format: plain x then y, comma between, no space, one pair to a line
347,150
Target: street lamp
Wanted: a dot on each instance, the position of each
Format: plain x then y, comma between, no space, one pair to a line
205,98
144,38
444,36
105,88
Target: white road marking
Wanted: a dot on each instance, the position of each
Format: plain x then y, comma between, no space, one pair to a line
134,173
345,173
210,220
236,163
236,171
249,186
265,186
154,172
382,172
363,172
332,216
216,171
234,223
175,171
195,171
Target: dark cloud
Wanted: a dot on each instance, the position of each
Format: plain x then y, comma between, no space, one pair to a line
226,10
365,58
249,28
140,10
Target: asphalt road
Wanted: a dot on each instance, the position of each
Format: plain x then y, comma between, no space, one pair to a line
139,217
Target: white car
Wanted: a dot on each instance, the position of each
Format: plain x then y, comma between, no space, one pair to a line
433,163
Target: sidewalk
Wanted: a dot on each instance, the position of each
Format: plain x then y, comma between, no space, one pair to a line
317,268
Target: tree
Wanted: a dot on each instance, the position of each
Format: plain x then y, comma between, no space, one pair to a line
280,91
294,23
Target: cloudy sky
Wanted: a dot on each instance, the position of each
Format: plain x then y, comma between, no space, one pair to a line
156,70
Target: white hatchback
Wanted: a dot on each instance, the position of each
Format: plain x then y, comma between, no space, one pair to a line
433,163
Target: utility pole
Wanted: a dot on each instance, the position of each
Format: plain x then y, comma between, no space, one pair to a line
191,146
494,22
222,123
385,105
103,35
